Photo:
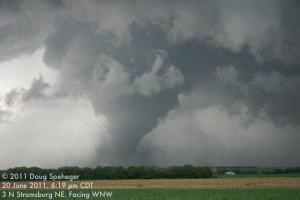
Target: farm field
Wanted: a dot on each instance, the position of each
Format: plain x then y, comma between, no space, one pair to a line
208,194
213,183
178,194
268,188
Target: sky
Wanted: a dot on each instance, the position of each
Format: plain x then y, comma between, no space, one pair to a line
137,82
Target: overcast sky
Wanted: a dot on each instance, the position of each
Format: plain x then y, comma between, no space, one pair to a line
162,83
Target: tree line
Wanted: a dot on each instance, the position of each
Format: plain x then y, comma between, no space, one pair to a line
119,172
284,170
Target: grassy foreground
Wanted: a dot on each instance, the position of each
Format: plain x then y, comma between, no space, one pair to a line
209,194
181,194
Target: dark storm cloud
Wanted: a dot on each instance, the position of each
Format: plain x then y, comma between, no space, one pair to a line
270,88
37,90
269,95
134,60
290,30
24,25
12,96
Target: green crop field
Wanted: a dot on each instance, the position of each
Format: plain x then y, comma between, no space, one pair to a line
209,194
172,194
